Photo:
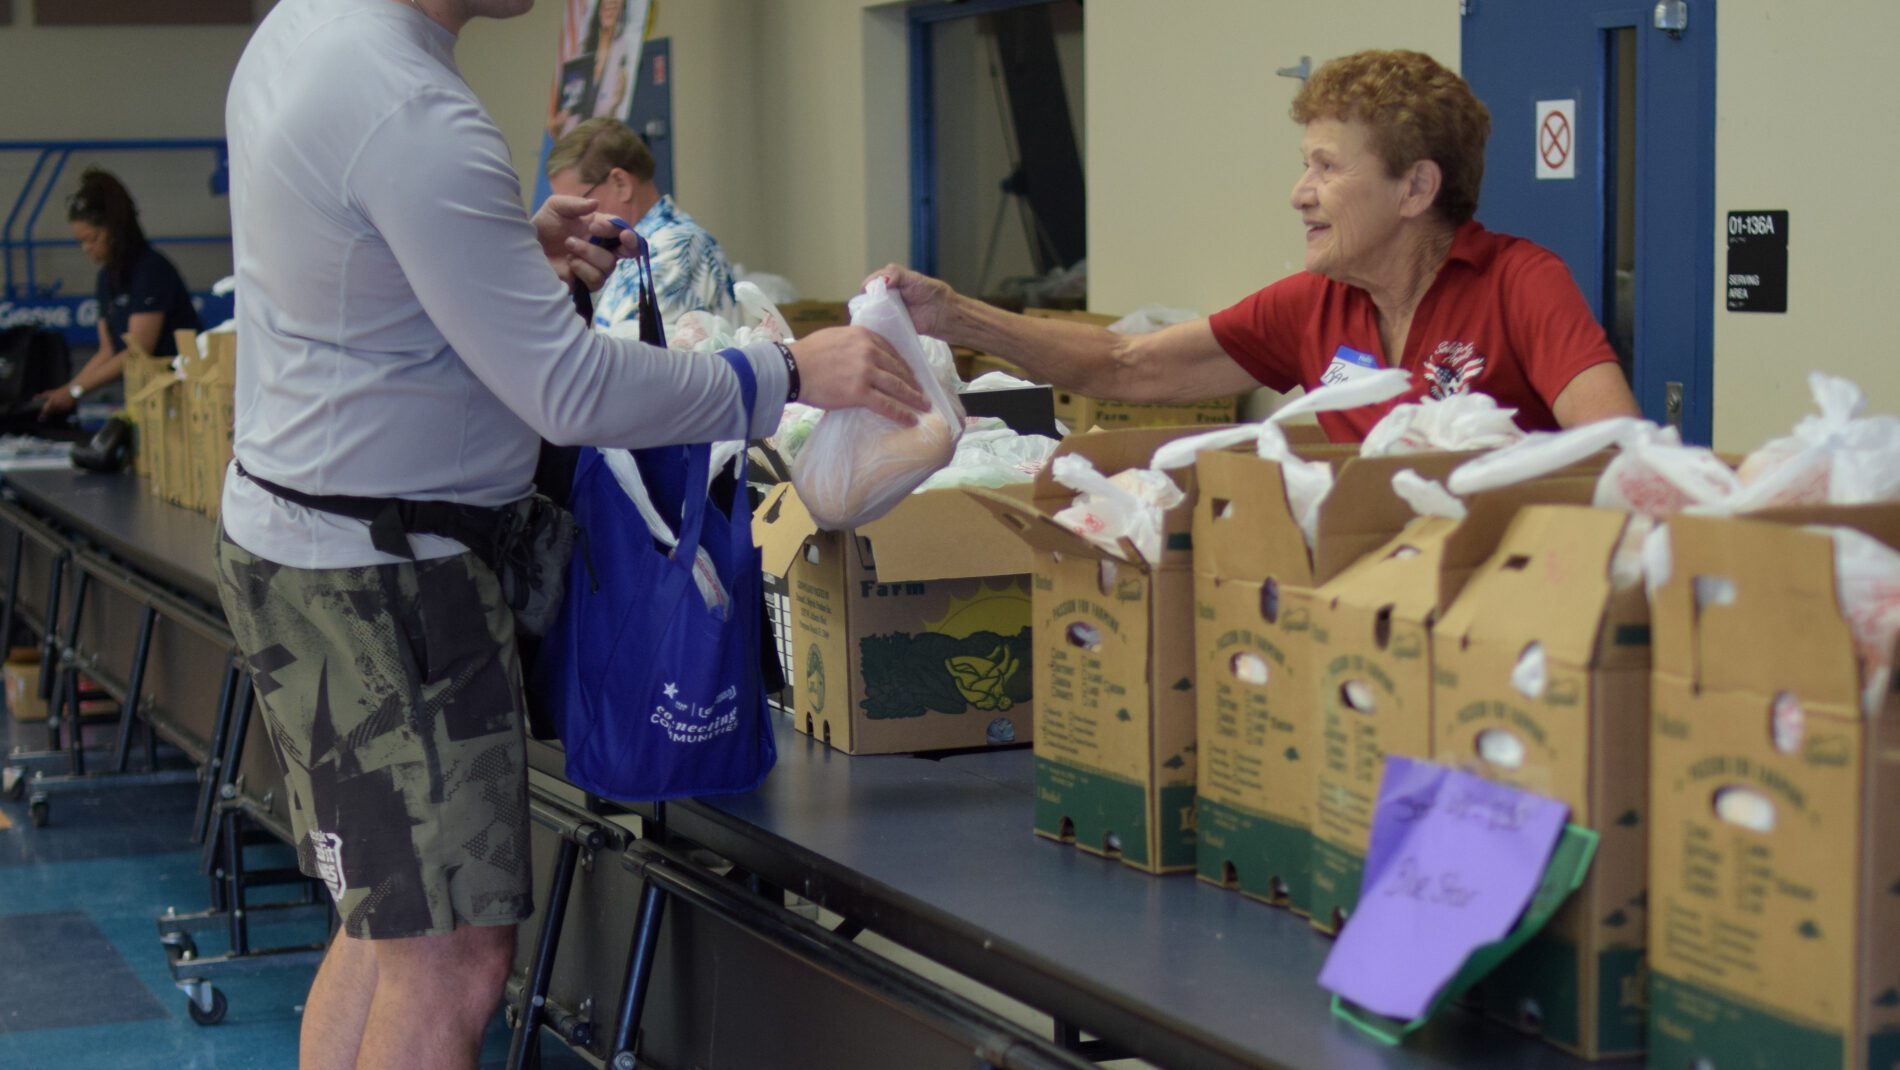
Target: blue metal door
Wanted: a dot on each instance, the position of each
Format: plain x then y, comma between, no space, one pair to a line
1642,83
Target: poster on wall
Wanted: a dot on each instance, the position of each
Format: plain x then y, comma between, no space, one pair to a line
594,67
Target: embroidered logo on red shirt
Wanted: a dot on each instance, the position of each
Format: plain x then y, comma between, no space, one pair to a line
1451,368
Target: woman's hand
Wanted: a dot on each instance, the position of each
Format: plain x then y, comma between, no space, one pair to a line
55,403
929,301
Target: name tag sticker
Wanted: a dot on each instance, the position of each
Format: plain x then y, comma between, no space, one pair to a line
1348,364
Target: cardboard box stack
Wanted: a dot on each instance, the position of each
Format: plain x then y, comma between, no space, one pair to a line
804,317
911,633
1774,861
1254,581
1372,648
21,676
1083,413
1540,680
210,398
1114,663
184,424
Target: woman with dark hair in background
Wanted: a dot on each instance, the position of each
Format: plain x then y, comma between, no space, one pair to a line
142,298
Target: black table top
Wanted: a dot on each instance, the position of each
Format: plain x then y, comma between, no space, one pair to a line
940,856
167,543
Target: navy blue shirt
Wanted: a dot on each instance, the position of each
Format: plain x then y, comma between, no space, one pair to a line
153,285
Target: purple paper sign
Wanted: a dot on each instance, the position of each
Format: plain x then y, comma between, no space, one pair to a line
1453,862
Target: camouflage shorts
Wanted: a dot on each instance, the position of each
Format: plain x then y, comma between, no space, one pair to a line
392,694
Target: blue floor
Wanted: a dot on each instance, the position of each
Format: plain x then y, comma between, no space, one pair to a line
83,978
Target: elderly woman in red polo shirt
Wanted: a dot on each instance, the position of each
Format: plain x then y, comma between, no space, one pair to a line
1398,274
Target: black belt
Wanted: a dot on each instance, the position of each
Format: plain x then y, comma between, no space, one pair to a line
393,520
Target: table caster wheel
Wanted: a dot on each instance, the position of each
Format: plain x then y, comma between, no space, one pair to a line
40,810
208,1017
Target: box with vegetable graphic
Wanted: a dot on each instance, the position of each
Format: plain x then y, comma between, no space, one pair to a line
908,634
1114,657
1774,779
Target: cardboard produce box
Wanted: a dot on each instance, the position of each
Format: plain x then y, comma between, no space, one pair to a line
146,379
1372,646
22,679
1256,720
804,317
1775,849
210,403
1083,413
908,634
1114,658
1582,739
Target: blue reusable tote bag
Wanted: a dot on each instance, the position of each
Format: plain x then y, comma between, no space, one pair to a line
656,693
654,686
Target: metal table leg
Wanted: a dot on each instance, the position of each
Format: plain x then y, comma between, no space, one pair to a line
214,753
13,590
65,712
135,682
225,775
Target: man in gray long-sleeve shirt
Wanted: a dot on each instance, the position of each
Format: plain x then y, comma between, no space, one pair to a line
405,332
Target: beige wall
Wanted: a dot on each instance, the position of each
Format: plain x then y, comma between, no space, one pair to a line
1191,154
1792,91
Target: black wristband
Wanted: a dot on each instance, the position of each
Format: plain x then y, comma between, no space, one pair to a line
791,372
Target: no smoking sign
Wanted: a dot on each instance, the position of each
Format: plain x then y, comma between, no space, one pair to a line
1556,139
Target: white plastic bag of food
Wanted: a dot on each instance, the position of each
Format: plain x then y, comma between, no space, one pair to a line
1307,482
995,381
1128,505
1468,421
1539,454
1867,583
857,464
1427,497
1655,475
757,311
1383,385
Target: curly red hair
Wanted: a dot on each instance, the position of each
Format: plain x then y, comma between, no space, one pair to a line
1417,108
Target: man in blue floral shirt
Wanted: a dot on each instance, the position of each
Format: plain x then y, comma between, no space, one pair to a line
604,159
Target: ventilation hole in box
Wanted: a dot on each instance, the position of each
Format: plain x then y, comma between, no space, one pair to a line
1229,876
1745,808
1787,723
1248,667
1105,577
1702,1062
1382,627
811,552
1530,1014
827,736
1402,552
1713,591
811,729
1223,509
1066,831
1270,601
1340,914
1531,675
1516,563
1499,747
1112,843
1278,891
1358,695
1016,522
1087,636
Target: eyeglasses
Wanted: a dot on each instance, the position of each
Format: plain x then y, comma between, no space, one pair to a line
588,192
